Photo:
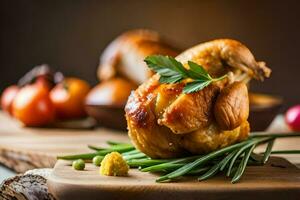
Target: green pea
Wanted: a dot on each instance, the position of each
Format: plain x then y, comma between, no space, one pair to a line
78,164
97,160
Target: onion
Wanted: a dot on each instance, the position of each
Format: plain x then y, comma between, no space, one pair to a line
292,118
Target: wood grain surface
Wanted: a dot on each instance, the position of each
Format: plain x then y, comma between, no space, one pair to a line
23,148
277,180
26,148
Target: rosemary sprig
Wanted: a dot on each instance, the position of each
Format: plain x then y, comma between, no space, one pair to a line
276,135
95,148
172,71
238,174
146,162
166,164
85,156
89,156
234,158
204,159
286,152
242,151
268,151
227,159
134,156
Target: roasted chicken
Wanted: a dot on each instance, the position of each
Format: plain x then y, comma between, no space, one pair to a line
121,70
124,56
163,122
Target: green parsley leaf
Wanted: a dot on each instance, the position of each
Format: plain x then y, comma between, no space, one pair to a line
195,86
198,70
171,71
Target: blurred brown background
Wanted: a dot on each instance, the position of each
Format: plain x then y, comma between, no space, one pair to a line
70,35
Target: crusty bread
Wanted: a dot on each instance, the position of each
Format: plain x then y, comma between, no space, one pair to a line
125,55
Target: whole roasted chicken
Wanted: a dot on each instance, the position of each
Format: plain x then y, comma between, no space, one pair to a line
164,122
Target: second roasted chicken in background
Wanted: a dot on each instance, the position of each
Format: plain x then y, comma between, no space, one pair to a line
124,56
164,122
121,70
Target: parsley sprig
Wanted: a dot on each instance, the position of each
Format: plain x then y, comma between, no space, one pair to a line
172,71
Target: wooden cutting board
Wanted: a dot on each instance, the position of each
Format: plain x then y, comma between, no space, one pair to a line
277,180
23,148
27,148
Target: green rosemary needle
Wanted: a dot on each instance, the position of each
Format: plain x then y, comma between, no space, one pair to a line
234,158
268,151
286,152
238,174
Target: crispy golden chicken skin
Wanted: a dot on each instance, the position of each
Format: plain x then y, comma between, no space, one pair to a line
232,106
163,122
151,138
188,112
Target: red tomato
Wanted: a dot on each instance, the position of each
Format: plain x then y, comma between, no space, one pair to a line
32,106
292,118
7,98
44,82
68,98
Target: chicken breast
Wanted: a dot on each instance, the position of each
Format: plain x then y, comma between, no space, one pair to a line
190,112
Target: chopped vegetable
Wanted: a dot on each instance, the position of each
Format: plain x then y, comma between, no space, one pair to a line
32,105
8,97
78,164
292,118
97,160
68,98
113,164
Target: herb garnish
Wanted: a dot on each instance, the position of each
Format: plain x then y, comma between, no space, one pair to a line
232,159
172,71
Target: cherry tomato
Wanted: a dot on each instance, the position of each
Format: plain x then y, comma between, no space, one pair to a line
44,82
292,118
68,98
32,106
7,98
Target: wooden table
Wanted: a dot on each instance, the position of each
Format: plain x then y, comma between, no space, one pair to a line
23,148
26,148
